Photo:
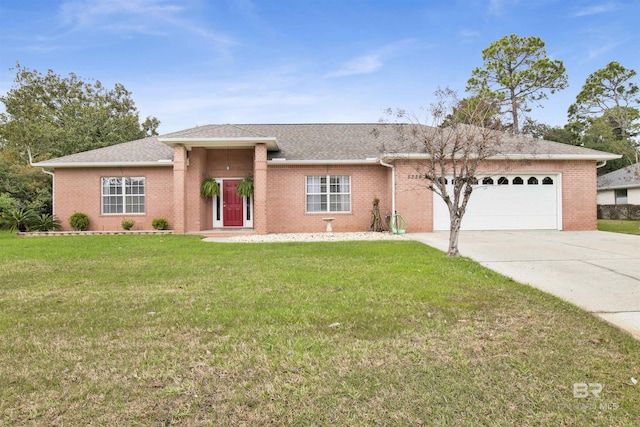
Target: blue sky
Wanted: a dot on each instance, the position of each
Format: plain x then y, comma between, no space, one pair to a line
196,62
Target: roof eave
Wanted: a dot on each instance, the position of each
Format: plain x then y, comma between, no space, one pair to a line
534,156
240,142
619,187
515,156
54,165
368,161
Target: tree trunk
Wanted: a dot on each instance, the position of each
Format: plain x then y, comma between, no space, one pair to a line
454,232
514,113
377,222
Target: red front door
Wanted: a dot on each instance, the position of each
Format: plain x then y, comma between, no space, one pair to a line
232,204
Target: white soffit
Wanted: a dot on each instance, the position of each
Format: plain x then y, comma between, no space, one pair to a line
243,142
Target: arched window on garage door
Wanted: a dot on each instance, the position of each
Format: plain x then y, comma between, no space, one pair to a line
518,181
503,180
487,181
532,180
547,181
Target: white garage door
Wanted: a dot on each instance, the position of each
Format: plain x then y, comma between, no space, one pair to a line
507,202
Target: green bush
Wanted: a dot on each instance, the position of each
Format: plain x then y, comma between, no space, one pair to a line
79,221
8,203
45,222
17,219
127,224
160,224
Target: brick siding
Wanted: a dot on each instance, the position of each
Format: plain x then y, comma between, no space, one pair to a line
79,190
286,198
279,199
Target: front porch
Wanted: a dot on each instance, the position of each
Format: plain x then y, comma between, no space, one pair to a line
229,161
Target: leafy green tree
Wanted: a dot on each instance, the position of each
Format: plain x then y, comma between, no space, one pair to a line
8,203
55,116
518,72
562,134
538,130
609,91
150,126
479,110
25,186
602,134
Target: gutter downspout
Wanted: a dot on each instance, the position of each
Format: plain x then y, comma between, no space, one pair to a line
598,165
53,177
393,184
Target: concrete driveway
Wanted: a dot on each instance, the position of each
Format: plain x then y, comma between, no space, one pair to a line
596,270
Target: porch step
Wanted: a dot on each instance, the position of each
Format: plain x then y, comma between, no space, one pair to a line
224,233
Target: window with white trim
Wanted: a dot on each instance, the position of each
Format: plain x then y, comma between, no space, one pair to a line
123,195
621,196
328,193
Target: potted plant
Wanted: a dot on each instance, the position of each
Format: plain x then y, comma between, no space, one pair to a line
209,188
245,187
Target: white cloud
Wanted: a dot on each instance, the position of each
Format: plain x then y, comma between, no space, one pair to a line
371,62
468,35
82,13
496,7
148,17
597,52
365,64
596,9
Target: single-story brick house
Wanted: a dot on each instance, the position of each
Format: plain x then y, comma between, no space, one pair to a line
306,172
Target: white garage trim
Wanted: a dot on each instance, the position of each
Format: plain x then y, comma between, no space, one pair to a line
526,206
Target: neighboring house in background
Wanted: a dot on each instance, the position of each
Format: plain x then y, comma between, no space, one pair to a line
619,194
306,172
620,187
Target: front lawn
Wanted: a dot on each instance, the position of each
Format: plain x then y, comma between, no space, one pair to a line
168,330
626,226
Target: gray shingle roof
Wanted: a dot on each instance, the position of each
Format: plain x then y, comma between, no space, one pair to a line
622,178
147,150
298,142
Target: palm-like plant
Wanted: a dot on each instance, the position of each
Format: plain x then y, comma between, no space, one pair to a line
18,219
45,222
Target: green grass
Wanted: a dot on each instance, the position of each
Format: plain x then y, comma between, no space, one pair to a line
168,330
619,226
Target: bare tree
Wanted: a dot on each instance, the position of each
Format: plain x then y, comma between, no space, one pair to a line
452,154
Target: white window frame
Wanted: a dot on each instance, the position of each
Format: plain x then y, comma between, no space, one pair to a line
125,185
621,199
327,193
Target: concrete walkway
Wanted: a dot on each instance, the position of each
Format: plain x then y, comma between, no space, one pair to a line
596,270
